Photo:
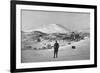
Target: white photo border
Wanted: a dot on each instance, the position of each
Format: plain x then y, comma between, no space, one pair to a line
20,65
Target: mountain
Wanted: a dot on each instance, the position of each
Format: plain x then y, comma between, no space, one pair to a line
37,33
51,28
50,32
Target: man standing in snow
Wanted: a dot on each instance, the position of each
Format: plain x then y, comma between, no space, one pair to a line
56,46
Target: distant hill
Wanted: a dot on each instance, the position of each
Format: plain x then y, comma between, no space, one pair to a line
51,32
51,28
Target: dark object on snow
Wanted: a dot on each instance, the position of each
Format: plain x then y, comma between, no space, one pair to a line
35,48
44,47
69,43
73,47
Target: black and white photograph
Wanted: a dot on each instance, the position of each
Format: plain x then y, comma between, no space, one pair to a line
52,36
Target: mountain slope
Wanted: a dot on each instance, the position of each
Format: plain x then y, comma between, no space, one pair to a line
51,28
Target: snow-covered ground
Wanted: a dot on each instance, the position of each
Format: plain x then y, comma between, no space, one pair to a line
82,52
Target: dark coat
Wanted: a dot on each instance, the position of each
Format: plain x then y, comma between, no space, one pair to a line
56,46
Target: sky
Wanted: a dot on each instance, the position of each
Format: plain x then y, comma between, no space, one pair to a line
75,21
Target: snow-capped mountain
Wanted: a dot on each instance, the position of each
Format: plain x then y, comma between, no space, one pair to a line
51,28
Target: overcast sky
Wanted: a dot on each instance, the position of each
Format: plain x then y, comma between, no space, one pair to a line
32,19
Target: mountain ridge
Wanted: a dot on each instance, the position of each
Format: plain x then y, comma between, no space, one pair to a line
51,28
